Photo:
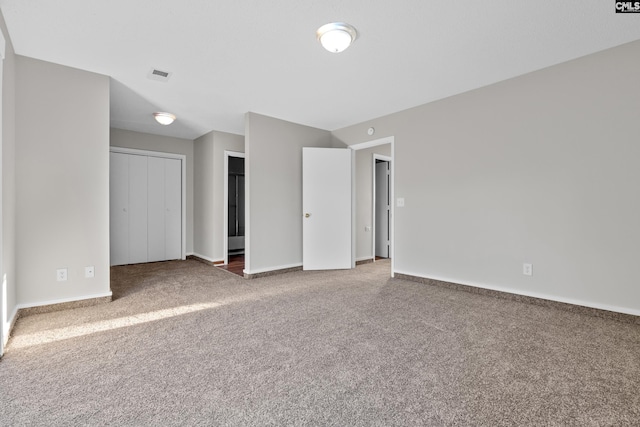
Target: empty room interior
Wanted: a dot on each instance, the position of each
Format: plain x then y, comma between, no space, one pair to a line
319,213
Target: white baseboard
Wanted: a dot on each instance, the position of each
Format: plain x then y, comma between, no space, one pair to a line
364,258
571,301
8,326
276,268
62,300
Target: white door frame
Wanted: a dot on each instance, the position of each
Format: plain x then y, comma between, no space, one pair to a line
369,144
225,230
4,324
373,200
183,166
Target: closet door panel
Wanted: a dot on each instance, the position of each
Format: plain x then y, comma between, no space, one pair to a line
173,208
137,209
156,217
118,208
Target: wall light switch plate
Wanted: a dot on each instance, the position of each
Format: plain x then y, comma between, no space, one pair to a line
61,274
89,272
367,228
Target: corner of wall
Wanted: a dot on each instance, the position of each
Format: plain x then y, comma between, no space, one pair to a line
337,143
8,285
273,181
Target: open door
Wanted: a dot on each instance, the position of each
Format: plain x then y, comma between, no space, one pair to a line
326,205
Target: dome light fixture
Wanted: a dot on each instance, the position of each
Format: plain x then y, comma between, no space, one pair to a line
164,118
336,36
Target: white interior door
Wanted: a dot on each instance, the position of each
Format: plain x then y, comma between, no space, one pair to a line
383,209
326,204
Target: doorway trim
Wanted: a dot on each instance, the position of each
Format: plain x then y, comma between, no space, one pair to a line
369,144
183,167
373,201
225,202
4,322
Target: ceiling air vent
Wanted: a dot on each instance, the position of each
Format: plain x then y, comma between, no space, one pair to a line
159,75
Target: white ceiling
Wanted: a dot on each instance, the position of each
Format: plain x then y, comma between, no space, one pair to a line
230,57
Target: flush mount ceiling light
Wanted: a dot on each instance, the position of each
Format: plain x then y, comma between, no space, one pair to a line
164,118
337,36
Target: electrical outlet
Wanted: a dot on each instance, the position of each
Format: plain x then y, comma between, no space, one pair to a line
400,202
89,272
527,269
61,274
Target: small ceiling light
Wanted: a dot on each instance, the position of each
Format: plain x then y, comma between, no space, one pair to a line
337,36
164,118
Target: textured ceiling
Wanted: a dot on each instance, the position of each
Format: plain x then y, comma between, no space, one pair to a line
230,57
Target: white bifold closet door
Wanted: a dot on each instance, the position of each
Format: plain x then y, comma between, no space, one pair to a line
146,208
164,209
118,208
137,210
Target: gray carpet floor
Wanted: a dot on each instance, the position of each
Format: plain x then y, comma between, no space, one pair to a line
184,343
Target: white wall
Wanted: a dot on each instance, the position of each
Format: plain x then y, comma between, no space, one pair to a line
7,275
273,181
144,141
203,206
364,199
542,168
209,192
62,182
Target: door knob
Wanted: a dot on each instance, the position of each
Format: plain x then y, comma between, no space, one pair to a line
307,215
